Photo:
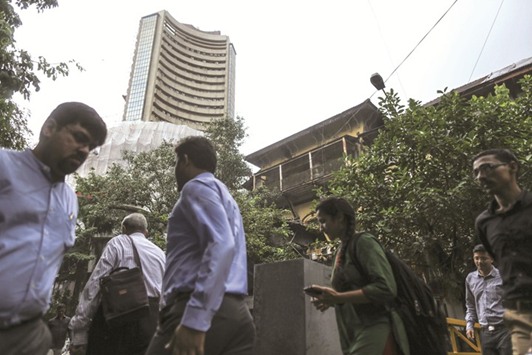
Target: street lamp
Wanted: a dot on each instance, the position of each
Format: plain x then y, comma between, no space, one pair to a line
376,80
378,83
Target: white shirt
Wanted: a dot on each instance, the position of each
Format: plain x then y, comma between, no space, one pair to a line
117,253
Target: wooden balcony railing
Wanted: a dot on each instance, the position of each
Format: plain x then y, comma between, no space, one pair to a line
460,344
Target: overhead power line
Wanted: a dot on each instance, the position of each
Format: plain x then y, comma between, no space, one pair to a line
486,40
422,39
393,72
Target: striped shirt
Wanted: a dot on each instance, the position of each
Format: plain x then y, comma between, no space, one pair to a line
117,253
484,299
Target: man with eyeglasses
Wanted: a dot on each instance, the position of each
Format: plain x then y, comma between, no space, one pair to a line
505,229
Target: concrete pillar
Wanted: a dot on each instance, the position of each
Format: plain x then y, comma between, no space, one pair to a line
287,323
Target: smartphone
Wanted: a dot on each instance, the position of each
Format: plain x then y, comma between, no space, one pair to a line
312,292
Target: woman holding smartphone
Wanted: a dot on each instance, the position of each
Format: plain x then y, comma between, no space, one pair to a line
360,297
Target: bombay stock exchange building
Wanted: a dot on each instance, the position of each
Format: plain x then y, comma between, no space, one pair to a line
180,74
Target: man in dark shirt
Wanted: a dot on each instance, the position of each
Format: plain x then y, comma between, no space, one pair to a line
505,229
59,329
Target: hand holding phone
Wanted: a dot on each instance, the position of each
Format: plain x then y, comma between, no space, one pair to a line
312,291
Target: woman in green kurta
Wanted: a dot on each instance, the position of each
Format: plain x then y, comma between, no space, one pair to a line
367,326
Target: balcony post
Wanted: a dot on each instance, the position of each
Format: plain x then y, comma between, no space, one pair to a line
310,166
280,177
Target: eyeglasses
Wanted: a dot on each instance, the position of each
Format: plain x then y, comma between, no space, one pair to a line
486,169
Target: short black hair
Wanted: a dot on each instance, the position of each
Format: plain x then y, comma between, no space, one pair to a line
479,248
77,112
504,155
199,150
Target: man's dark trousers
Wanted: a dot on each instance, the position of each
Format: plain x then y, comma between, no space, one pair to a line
131,339
232,331
29,338
496,342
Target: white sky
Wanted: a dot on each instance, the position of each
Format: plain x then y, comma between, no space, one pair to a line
298,62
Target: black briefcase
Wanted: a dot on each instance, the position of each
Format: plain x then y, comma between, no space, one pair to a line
124,295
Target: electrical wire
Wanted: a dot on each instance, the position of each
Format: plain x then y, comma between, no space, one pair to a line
385,46
422,39
486,40
409,54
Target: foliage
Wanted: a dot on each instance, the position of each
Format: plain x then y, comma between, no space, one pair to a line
145,183
228,136
18,73
413,186
13,126
268,236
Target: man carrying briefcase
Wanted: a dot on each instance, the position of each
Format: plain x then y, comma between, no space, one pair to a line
91,333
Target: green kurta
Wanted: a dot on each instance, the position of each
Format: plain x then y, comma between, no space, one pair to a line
364,328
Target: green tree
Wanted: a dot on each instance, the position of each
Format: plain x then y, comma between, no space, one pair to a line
228,136
268,235
19,72
144,183
413,187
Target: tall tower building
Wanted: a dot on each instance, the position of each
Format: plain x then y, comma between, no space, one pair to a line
180,74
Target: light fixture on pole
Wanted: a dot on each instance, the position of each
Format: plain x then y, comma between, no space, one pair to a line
376,80
378,83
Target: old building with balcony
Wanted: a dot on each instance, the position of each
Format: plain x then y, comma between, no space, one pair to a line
297,165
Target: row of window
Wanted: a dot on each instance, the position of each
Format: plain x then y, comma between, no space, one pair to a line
193,40
168,88
187,52
175,103
177,71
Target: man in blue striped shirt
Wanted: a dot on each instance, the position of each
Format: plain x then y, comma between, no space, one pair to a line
484,305
38,213
205,281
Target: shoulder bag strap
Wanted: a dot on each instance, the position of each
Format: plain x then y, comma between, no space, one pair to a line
136,253
352,248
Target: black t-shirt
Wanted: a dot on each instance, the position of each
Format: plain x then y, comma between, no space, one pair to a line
508,237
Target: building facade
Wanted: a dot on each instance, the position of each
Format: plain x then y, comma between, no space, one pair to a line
180,74
304,161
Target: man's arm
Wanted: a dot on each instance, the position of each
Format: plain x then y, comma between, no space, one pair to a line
90,296
471,310
481,234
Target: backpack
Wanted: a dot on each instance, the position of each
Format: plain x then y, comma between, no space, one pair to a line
425,324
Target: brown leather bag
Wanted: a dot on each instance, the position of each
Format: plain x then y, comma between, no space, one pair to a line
124,295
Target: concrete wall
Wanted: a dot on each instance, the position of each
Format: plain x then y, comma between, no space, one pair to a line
286,321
